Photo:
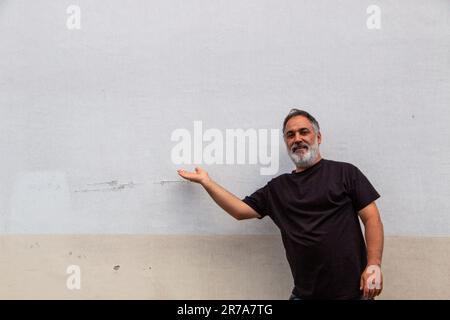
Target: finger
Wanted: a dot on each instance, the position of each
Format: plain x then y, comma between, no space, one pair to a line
184,171
361,283
371,293
366,290
186,174
377,293
372,288
380,289
377,289
181,172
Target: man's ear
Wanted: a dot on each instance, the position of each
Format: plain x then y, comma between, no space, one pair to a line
319,138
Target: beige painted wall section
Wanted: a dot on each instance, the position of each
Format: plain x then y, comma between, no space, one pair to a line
194,267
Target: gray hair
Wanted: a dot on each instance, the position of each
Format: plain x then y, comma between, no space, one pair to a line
297,112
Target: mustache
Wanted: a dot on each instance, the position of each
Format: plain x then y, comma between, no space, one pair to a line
299,145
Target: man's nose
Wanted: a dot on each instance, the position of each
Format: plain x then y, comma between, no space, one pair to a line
297,137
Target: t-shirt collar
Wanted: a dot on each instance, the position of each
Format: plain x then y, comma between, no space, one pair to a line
309,168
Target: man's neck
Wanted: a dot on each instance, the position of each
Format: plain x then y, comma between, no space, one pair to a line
300,169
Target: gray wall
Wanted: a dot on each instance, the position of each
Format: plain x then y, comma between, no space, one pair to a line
86,116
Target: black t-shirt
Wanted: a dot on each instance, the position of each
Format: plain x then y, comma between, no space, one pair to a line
316,211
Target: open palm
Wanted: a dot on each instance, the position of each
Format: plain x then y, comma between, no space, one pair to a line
199,176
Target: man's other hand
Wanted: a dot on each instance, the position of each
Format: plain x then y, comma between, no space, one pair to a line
371,283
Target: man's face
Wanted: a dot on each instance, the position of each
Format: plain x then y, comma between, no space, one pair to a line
301,140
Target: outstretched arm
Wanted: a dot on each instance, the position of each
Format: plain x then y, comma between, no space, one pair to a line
225,199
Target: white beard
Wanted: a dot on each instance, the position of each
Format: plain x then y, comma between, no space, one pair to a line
305,159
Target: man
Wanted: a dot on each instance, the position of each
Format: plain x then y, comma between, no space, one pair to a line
316,208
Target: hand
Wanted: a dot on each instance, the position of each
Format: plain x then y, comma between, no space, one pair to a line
371,282
199,176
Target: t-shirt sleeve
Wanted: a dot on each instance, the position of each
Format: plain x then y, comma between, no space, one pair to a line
258,201
361,190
